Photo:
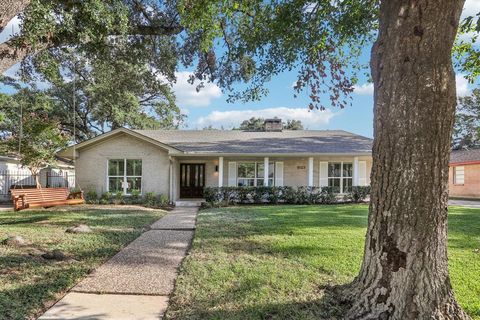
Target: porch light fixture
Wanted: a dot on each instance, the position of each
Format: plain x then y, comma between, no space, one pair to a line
216,168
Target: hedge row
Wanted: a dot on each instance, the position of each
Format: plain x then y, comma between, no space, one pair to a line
149,199
274,195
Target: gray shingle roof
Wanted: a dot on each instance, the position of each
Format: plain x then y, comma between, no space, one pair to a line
287,141
465,155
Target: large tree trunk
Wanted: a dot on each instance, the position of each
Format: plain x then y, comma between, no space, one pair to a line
405,273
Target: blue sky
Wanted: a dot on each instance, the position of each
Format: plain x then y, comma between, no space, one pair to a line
209,106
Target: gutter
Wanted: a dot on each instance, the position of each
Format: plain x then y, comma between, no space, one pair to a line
461,163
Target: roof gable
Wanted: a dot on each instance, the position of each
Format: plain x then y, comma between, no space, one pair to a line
68,152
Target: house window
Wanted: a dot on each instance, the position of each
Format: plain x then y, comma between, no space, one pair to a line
340,176
124,175
459,175
251,174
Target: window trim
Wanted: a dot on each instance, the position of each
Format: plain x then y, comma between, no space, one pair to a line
124,176
341,177
256,163
455,182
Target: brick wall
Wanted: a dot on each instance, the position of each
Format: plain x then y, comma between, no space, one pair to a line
471,186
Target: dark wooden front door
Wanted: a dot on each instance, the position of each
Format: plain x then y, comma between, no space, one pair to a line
192,180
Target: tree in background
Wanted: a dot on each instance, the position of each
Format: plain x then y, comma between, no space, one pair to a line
252,124
258,124
466,132
293,125
29,133
122,56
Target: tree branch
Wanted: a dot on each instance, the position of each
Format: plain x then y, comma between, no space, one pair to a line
9,9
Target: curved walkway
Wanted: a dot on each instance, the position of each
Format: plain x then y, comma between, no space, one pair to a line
136,282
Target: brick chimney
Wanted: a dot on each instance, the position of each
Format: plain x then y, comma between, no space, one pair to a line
274,124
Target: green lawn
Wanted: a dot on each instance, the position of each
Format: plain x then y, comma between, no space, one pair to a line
29,283
272,262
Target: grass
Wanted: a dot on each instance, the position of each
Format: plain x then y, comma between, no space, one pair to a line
29,283
272,262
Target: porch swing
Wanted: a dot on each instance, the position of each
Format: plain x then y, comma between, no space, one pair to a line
46,197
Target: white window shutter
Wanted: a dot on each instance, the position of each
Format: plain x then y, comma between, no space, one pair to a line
279,174
232,174
323,174
362,173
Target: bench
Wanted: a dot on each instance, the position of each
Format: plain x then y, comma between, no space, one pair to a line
44,198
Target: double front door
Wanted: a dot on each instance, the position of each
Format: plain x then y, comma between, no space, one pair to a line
192,180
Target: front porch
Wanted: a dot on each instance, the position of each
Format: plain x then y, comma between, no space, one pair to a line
190,174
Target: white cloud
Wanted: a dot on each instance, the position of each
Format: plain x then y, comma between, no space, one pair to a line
12,28
364,89
462,85
471,8
228,119
187,95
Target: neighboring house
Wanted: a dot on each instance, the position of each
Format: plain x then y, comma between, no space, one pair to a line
464,174
12,174
180,163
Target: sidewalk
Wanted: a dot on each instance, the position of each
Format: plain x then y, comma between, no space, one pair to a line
136,282
464,203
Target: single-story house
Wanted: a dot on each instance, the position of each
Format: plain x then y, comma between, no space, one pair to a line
180,163
464,174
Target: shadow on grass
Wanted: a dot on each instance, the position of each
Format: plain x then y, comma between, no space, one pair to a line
330,306
95,218
27,300
279,220
24,220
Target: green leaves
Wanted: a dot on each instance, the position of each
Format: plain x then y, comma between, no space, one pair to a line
29,132
255,40
466,132
466,50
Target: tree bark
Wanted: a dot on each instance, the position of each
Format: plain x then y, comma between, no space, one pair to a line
10,9
8,54
404,274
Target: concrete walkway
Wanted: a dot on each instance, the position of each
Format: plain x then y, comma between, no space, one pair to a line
464,203
136,282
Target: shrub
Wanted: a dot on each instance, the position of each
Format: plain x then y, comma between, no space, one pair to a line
228,194
118,198
302,195
163,200
327,195
211,194
244,194
313,195
134,197
289,195
91,197
259,194
149,199
273,194
358,194
106,198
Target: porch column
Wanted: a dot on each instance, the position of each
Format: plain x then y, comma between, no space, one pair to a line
265,171
310,172
170,172
220,171
355,171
